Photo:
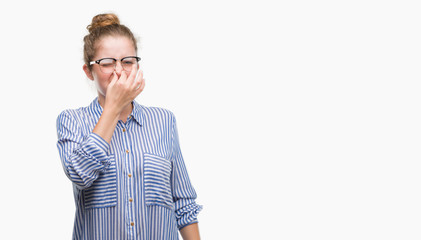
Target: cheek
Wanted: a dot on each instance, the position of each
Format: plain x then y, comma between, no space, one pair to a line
103,79
101,82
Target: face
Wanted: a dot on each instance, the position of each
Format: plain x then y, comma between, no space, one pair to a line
109,47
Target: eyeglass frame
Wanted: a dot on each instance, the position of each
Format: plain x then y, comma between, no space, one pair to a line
115,65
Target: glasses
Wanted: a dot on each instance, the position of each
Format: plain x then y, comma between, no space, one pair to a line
108,65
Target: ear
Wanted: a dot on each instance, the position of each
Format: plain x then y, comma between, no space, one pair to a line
88,72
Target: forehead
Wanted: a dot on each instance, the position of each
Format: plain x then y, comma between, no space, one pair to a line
115,47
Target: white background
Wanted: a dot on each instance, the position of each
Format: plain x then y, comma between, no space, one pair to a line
297,119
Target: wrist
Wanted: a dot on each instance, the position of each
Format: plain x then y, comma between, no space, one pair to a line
111,113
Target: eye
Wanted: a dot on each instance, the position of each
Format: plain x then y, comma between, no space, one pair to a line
129,61
107,63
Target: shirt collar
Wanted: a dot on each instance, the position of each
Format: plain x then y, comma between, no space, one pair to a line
136,113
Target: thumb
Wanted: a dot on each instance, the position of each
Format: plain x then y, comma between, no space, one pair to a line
115,78
113,81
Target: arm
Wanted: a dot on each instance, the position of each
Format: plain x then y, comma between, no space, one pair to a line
106,124
83,158
184,195
190,232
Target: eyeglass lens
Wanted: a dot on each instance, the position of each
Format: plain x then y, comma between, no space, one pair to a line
108,65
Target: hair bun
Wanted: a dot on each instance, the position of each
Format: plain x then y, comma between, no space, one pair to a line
102,20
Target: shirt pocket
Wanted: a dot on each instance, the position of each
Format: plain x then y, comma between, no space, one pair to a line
157,175
103,191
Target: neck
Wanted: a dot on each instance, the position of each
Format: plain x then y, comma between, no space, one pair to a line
123,114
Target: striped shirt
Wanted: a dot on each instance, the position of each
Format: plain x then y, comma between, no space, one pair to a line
136,187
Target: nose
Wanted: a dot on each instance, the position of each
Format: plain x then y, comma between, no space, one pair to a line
118,68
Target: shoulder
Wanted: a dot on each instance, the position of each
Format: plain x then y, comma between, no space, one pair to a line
152,112
71,116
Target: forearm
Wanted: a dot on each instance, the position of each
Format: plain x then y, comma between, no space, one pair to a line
190,232
106,124
84,161
83,157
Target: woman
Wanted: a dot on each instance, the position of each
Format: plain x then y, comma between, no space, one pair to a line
124,159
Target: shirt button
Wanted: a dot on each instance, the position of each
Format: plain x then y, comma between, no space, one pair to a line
127,151
124,129
130,199
130,175
132,223
130,116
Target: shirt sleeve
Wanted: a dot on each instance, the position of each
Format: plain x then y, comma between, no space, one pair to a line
83,158
184,195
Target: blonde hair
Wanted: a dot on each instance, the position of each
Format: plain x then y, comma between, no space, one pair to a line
103,25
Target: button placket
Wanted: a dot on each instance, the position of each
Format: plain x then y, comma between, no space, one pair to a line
129,171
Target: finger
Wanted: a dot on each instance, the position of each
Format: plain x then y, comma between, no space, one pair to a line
132,75
123,77
140,88
137,80
114,79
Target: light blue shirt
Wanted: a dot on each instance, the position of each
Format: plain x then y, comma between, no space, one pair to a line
137,187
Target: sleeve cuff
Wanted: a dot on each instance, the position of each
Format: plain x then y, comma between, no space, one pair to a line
188,215
95,148
89,160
